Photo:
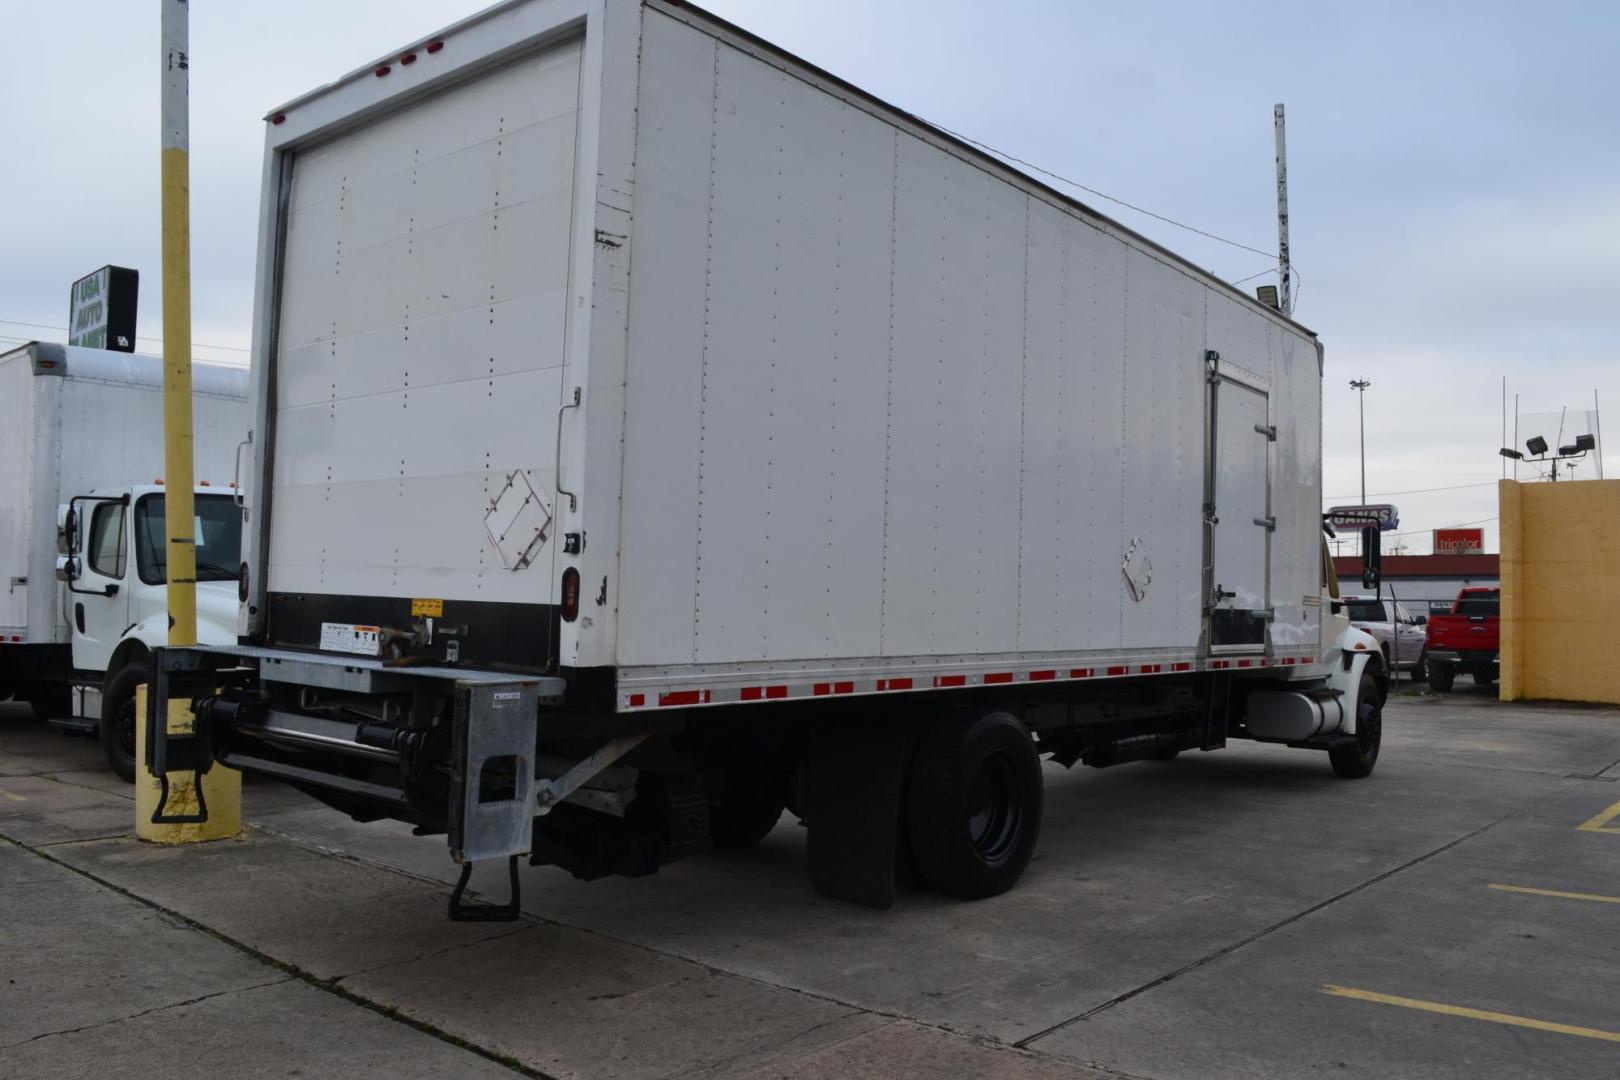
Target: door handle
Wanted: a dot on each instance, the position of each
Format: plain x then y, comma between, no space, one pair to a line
236,478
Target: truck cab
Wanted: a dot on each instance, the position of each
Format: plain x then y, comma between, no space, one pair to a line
113,562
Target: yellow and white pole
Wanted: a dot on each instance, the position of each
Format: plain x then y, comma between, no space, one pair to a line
178,462
222,787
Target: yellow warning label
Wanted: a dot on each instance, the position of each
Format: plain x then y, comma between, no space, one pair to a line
433,609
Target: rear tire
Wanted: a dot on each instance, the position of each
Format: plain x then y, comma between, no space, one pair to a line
750,808
974,804
51,702
118,719
1441,676
1356,760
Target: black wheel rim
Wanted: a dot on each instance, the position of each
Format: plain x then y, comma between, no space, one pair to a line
995,808
123,722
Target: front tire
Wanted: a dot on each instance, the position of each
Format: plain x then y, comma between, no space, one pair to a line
118,719
974,804
1441,676
1356,760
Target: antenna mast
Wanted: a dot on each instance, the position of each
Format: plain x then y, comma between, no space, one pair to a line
1285,296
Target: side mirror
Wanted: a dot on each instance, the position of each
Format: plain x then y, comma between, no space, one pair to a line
67,528
1420,620
67,568
1372,557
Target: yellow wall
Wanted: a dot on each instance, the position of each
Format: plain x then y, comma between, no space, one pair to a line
1560,590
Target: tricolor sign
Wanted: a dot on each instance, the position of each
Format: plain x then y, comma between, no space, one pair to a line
101,309
1459,541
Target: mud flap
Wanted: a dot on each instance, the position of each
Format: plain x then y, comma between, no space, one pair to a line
857,778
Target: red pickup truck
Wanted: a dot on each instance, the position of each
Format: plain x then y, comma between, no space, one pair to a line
1466,639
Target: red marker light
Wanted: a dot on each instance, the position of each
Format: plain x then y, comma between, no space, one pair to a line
380,72
408,58
435,46
280,117
570,594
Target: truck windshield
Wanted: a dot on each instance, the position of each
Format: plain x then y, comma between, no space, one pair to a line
1366,611
219,539
1479,604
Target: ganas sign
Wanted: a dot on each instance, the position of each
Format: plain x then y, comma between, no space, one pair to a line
101,309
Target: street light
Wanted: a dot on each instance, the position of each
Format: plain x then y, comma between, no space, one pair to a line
1537,445
1360,386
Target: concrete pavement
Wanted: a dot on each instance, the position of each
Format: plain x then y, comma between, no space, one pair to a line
1187,919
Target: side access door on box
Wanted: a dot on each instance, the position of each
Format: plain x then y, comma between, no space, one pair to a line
1237,510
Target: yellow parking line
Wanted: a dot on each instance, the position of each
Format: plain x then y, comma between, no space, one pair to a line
1555,892
1601,822
1472,1014
13,796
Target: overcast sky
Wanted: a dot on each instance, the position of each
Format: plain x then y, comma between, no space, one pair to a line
1453,172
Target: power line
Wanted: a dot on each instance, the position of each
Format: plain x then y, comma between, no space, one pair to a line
1459,525
1414,491
987,148
63,329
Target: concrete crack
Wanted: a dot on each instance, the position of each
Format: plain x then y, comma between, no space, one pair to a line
430,953
145,1012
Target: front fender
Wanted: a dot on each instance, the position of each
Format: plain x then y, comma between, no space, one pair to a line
1350,656
153,631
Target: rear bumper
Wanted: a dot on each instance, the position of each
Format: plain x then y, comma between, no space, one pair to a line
1463,656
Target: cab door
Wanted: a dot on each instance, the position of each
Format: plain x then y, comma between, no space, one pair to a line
98,595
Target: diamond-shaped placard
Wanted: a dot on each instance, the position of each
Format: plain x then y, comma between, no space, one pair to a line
517,521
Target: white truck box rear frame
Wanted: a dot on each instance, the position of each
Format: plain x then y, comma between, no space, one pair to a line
958,432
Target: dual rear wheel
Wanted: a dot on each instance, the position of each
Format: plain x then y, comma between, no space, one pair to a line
973,804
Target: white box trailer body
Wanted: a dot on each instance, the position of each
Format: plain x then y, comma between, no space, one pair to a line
858,407
647,419
75,420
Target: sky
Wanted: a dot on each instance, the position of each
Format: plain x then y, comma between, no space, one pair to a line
1455,215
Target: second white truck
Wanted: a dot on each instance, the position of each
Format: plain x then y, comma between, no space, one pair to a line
82,529
655,431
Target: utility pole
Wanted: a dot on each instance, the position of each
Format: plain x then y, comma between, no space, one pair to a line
1285,292
178,462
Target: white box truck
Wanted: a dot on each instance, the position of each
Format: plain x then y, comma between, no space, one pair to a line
82,528
656,430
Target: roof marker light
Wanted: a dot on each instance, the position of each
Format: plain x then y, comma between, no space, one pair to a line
381,71
435,46
408,58
279,118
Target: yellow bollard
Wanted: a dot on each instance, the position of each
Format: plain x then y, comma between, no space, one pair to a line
222,788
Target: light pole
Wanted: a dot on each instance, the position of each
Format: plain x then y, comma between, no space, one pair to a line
1360,386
